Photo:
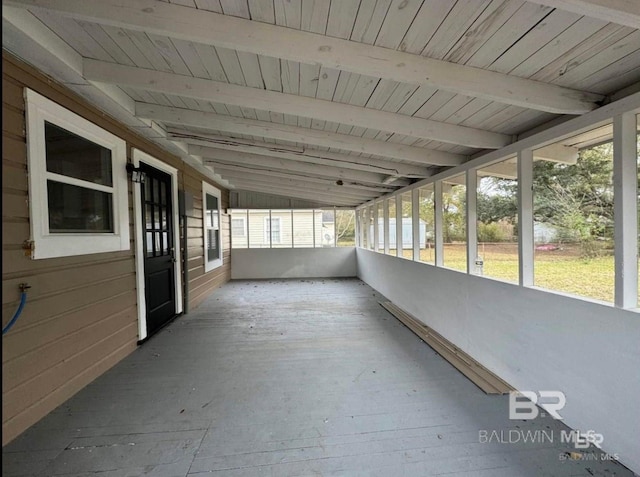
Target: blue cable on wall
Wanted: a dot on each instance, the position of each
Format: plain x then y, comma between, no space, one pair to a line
16,315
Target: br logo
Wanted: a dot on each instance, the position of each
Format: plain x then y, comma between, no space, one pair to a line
523,404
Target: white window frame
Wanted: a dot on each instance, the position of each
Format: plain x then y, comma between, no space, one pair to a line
49,245
244,226
268,236
208,189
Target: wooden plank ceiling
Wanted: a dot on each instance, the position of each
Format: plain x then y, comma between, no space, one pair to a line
341,100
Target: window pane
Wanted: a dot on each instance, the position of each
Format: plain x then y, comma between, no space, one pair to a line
454,227
497,254
380,225
370,228
346,228
391,230
364,227
74,209
326,229
407,226
213,245
303,228
281,236
74,156
573,215
427,236
258,238
239,238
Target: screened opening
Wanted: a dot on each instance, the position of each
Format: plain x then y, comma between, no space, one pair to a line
497,226
573,215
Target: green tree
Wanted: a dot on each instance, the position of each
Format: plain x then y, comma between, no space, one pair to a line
577,199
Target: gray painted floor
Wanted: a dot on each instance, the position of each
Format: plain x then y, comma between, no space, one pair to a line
287,378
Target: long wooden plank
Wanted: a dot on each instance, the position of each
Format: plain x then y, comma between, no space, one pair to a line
244,97
622,12
301,154
478,374
265,129
293,45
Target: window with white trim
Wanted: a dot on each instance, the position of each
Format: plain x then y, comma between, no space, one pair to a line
272,226
212,229
78,193
239,227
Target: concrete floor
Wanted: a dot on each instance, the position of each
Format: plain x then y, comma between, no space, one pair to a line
287,378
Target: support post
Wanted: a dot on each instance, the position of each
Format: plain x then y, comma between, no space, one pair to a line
525,217
398,225
437,225
415,222
625,197
385,212
376,231
472,220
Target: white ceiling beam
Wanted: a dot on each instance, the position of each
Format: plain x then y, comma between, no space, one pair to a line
622,12
301,185
245,170
336,173
251,127
210,28
26,37
326,158
301,188
303,106
329,199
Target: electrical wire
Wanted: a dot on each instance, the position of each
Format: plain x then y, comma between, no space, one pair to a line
23,300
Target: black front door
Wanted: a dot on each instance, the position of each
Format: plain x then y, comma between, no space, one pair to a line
159,249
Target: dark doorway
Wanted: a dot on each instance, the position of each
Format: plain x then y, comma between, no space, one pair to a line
159,248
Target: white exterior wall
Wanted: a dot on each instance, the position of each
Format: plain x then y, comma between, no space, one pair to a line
533,339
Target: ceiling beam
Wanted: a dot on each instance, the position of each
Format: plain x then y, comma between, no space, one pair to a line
249,170
301,185
331,172
303,106
329,199
622,12
251,127
210,28
326,158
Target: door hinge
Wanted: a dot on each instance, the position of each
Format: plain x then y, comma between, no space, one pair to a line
29,246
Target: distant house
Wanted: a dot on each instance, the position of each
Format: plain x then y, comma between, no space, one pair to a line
281,229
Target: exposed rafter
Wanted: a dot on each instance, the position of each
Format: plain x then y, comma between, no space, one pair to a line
301,154
270,40
215,122
302,187
248,170
265,100
328,198
336,173
622,12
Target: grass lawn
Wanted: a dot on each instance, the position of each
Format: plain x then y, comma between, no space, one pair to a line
561,270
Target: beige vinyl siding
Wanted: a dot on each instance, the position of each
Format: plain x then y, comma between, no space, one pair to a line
81,313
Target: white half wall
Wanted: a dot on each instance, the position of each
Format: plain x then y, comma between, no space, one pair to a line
535,340
293,262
